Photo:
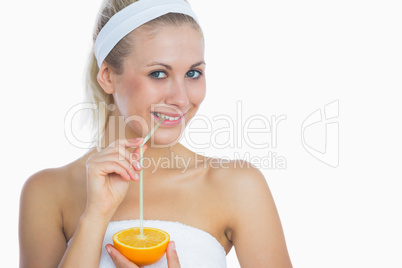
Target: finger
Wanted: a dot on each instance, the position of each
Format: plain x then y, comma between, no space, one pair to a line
126,143
105,168
137,150
118,259
132,158
135,155
122,144
118,145
118,156
171,255
130,166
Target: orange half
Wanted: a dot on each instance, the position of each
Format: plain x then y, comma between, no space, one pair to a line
141,251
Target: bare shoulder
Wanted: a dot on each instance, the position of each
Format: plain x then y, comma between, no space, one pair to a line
47,183
54,181
237,176
45,177
42,184
49,189
43,194
248,199
41,226
243,189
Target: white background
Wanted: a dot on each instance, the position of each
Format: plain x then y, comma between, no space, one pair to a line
279,58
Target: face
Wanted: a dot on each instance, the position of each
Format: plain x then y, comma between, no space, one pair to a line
163,77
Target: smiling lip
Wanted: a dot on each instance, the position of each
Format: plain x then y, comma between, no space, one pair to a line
168,122
170,114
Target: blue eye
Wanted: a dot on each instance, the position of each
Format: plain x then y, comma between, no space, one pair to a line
193,74
158,74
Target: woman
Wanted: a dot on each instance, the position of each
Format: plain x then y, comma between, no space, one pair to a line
148,64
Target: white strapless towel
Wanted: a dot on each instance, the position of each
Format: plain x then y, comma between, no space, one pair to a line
195,248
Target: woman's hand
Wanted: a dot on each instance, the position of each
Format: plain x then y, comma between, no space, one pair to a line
122,262
108,175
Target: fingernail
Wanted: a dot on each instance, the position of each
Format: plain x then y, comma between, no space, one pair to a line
172,245
138,165
108,249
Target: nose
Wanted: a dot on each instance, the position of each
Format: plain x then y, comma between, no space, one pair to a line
178,94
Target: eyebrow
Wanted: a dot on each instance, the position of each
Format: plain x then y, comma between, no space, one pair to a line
170,67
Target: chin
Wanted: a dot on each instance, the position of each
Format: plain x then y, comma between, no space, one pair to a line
165,137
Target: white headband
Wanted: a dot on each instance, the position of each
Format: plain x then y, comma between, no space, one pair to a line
132,17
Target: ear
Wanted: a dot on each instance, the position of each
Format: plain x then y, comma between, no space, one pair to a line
105,78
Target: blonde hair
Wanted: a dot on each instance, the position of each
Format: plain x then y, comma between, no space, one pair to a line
94,91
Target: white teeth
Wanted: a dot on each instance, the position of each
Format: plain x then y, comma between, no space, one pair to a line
163,116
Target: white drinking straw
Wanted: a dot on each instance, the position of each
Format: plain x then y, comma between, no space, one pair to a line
141,176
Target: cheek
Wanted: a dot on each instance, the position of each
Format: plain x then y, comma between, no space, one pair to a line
131,89
197,94
130,96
